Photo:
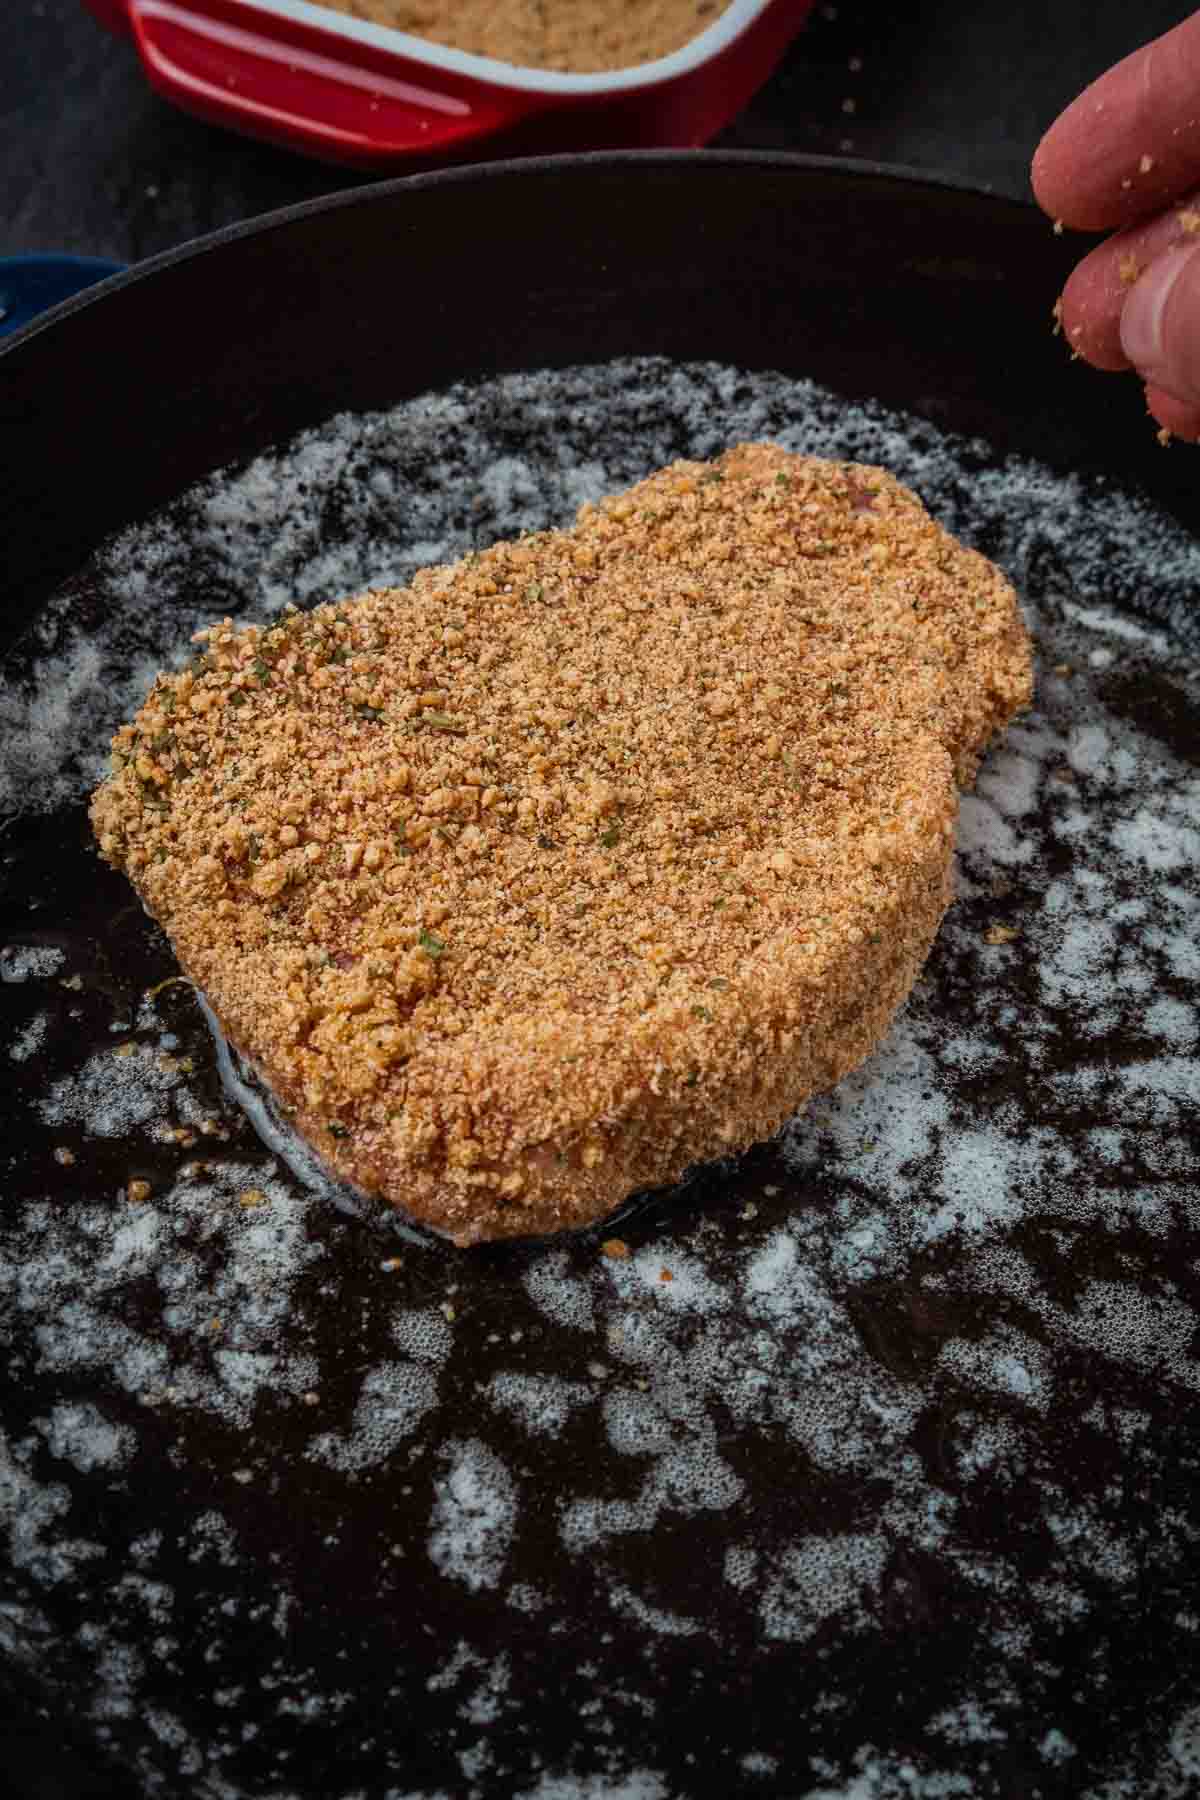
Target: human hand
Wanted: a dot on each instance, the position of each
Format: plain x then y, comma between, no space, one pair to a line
1125,158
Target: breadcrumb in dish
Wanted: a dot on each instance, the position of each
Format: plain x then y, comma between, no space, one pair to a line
596,854
586,36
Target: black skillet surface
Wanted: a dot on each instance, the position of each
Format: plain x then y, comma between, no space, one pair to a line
315,1641
919,294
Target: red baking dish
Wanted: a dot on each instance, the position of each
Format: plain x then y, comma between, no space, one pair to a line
319,81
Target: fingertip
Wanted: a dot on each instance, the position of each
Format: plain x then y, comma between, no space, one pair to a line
1128,145
1179,418
1090,313
1062,174
1053,173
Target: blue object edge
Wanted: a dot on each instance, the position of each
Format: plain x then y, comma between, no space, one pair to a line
30,284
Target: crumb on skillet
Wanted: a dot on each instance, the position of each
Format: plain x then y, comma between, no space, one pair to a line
595,854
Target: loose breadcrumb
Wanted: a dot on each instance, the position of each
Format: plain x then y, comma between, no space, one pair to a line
587,35
594,855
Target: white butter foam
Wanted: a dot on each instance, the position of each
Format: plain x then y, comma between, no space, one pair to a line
965,1290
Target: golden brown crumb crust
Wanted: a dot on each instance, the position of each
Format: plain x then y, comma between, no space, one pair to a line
594,855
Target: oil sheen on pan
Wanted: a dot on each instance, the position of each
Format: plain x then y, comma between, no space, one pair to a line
863,1467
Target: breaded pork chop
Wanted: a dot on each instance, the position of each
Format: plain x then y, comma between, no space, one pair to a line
591,856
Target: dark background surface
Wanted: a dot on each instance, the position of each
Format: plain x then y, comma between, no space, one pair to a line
92,162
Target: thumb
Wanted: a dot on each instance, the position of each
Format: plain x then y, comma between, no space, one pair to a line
1160,323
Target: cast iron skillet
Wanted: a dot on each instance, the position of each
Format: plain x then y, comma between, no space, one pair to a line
923,295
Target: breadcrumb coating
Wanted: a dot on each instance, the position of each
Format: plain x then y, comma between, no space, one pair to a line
596,854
